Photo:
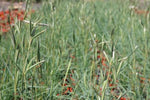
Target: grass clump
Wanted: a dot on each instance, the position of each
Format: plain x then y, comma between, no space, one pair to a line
87,50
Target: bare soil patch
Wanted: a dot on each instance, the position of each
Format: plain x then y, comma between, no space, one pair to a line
4,5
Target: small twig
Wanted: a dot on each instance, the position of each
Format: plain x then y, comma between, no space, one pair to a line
40,24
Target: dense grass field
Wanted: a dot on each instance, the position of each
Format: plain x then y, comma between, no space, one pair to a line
95,50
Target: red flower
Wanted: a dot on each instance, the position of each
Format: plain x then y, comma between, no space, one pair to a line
3,17
65,93
4,30
98,57
103,59
70,89
2,24
73,57
122,98
21,18
18,14
72,79
7,12
142,79
65,84
113,86
11,14
22,12
7,24
15,11
11,18
1,13
110,85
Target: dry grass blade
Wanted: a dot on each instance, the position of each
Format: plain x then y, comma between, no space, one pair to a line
39,24
34,65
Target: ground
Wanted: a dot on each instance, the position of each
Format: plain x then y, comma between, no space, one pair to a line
4,5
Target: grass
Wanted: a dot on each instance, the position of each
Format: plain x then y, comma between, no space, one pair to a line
97,50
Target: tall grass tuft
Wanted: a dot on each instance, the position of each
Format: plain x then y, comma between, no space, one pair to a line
83,50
